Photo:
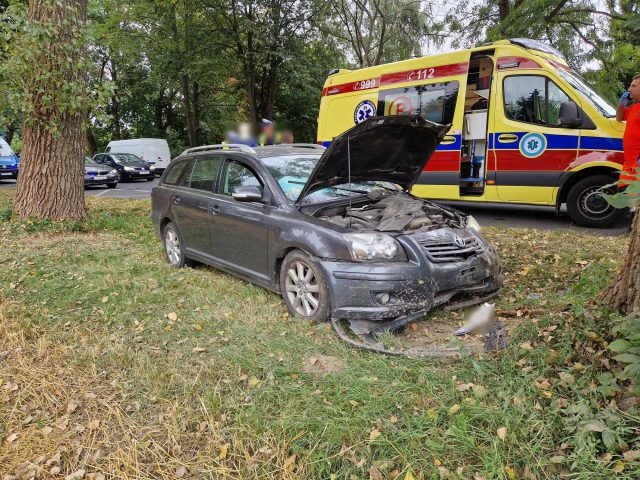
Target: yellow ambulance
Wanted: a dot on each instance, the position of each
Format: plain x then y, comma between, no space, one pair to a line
525,128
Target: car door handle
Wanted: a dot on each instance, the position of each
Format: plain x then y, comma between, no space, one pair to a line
176,200
215,210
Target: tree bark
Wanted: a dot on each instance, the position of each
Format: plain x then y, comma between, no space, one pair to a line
91,141
115,102
623,295
51,181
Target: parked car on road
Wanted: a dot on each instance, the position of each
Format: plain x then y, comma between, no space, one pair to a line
129,166
9,161
334,231
99,174
154,151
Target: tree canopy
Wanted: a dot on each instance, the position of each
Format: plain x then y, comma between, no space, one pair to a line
188,70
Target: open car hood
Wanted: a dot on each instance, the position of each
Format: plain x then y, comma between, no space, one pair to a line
390,149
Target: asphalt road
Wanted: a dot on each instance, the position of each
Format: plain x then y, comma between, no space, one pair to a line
506,216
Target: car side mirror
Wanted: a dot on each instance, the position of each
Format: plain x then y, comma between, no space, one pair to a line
249,193
569,115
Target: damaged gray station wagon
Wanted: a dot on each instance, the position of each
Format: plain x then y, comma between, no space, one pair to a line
334,231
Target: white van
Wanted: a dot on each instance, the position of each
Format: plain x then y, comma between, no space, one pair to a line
152,150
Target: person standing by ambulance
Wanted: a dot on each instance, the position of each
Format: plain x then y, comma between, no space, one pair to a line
631,139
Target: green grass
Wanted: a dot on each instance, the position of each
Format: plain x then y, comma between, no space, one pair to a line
100,295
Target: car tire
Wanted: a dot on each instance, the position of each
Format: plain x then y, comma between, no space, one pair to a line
588,209
150,179
304,288
173,244
112,185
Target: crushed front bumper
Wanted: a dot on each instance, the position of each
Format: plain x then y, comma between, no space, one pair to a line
357,289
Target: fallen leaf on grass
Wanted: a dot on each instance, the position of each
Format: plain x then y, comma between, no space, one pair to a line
631,455
375,433
223,452
12,438
409,476
105,299
93,424
290,463
463,387
198,349
173,316
393,419
374,474
254,382
453,410
181,471
618,467
77,475
509,471
502,433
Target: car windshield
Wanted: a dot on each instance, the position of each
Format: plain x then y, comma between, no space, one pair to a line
127,159
5,149
88,161
292,173
581,86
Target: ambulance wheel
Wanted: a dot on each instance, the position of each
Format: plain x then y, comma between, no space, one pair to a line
588,208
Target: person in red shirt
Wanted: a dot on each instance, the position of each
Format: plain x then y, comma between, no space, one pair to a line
631,138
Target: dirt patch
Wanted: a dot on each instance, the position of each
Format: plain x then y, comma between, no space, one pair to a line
437,331
323,365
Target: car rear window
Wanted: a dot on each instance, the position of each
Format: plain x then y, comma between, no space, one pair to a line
174,172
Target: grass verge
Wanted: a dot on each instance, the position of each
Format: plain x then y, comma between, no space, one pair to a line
114,365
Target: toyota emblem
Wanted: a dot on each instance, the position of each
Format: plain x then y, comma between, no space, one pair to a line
459,241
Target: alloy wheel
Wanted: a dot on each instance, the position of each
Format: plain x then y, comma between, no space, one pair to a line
172,246
303,290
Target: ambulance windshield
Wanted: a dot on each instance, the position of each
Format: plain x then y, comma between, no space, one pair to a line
581,86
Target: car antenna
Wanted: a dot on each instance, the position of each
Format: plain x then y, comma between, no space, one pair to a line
349,174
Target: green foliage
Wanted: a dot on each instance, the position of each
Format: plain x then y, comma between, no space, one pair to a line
44,67
627,345
629,197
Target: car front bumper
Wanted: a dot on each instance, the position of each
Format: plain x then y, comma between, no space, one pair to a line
102,180
416,285
8,172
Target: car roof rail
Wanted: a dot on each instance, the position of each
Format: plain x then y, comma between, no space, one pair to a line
220,146
306,145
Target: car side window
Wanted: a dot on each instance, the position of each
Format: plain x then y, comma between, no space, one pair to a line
533,99
173,175
203,175
236,175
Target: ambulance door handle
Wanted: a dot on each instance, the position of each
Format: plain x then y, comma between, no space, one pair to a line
507,138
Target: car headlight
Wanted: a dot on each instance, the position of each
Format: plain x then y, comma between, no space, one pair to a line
151,168
129,169
112,172
473,223
374,246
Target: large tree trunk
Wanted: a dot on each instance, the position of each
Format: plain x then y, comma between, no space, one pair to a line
624,293
115,102
51,181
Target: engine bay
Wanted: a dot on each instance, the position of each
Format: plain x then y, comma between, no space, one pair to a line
395,212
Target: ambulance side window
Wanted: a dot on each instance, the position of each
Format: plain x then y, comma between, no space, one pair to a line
533,99
435,102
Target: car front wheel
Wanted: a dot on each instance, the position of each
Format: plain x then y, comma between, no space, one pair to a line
587,207
304,288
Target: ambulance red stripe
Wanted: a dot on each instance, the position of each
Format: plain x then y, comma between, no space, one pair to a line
418,74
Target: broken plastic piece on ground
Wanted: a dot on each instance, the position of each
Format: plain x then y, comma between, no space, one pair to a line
496,338
478,320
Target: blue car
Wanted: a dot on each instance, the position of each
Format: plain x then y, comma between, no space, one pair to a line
9,161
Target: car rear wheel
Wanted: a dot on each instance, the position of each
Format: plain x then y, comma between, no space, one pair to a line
588,208
304,288
174,247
